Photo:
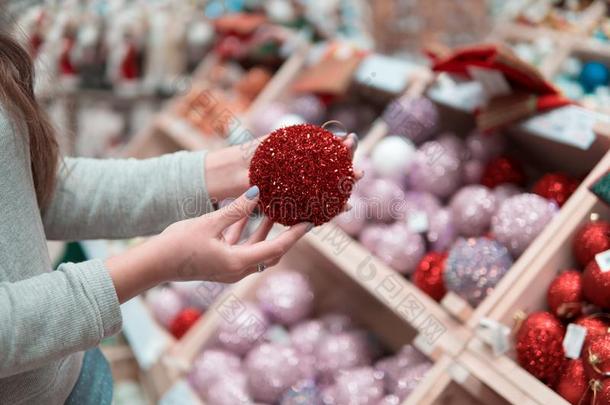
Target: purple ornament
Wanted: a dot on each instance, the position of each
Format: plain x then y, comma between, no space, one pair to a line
520,219
226,391
209,365
392,156
165,303
363,386
287,297
417,203
389,400
342,351
199,294
305,392
454,144
383,199
365,165
400,248
353,221
504,191
441,230
329,394
436,170
265,122
371,236
471,209
336,322
271,369
415,118
243,329
409,378
394,367
306,335
473,171
474,267
484,147
309,107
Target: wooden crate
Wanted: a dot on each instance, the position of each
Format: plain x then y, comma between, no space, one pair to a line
528,294
335,290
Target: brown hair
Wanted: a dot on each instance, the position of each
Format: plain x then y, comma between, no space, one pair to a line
17,95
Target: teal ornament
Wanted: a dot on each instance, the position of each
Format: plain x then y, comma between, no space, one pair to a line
594,74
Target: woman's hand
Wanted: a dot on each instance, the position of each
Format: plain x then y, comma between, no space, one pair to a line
203,248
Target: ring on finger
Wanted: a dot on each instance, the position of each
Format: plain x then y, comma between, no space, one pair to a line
261,267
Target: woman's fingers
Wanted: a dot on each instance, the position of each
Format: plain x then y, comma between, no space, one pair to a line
233,232
238,209
261,252
260,234
351,141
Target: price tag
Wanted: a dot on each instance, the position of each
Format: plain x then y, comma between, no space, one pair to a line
571,125
603,261
180,393
493,82
573,340
496,335
418,222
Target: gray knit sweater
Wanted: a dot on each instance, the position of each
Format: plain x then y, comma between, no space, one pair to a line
47,318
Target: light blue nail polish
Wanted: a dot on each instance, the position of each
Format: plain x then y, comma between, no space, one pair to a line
309,227
252,192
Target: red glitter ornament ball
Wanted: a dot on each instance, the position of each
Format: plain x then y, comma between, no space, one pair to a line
596,357
573,383
540,346
596,285
304,174
502,170
602,394
184,321
428,275
595,327
564,295
591,239
557,187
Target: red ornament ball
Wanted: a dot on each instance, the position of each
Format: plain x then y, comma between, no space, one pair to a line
564,295
602,394
557,187
304,174
540,346
573,383
596,285
591,239
184,321
596,357
428,275
595,327
502,170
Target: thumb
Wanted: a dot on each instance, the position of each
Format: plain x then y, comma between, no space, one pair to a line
238,209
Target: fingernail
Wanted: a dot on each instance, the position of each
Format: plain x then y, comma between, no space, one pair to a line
341,134
252,192
309,227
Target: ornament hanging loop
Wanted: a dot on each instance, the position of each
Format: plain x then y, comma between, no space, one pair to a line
337,123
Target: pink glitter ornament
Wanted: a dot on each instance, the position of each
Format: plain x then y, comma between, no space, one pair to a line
336,322
226,391
474,267
342,351
472,208
454,145
309,107
409,379
239,332
417,203
389,400
265,122
199,294
484,147
353,221
363,386
520,219
209,365
415,118
306,335
384,199
371,236
305,392
400,248
363,164
436,170
441,230
287,297
271,370
165,304
473,171
395,367
505,191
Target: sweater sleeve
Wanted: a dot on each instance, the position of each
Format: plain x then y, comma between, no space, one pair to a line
51,315
104,199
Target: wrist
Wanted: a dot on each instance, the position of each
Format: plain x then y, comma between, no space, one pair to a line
226,173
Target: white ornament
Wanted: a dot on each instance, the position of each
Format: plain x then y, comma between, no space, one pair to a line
392,156
288,120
